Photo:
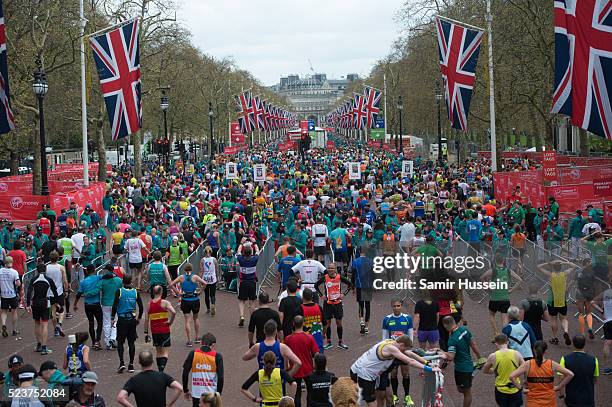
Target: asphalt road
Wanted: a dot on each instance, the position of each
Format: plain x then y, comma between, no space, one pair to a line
232,343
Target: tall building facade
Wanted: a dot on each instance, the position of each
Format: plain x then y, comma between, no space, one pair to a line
313,96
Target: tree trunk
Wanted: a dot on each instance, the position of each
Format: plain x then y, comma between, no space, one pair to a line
584,143
137,155
36,167
14,163
101,145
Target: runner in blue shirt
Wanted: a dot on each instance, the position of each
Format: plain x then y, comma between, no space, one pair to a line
285,266
395,325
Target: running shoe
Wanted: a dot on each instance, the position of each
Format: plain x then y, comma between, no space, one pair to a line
367,330
121,368
60,331
56,332
241,323
69,315
45,351
566,336
328,345
197,341
607,371
213,311
363,329
208,311
408,401
131,368
16,332
4,331
113,344
189,344
554,341
591,334
96,346
343,345
38,348
395,400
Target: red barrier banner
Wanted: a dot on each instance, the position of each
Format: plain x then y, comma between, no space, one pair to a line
16,187
64,186
530,183
572,197
290,145
602,187
573,175
484,154
232,150
21,206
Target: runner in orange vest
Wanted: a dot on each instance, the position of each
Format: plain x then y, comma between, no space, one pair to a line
332,305
206,366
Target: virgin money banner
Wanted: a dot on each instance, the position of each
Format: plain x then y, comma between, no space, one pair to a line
576,175
64,186
573,197
232,150
549,166
236,134
16,187
291,145
602,187
21,206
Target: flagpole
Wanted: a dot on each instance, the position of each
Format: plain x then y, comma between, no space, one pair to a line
229,115
465,24
385,104
491,89
84,99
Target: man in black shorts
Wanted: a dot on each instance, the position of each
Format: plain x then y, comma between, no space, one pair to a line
39,304
124,306
190,302
160,314
332,306
247,277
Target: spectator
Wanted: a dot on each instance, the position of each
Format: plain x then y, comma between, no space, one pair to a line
86,395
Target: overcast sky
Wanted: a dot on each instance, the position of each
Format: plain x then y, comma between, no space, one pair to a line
273,38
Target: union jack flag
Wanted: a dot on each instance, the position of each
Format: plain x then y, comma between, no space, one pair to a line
244,108
266,114
359,111
7,120
117,57
458,48
583,64
258,113
372,105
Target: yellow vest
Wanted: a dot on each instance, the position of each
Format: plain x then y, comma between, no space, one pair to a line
271,388
505,363
558,283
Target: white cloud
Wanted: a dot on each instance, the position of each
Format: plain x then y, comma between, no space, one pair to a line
273,38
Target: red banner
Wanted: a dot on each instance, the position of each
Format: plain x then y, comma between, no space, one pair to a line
330,145
21,206
575,175
602,187
236,134
290,145
549,166
16,187
304,127
232,150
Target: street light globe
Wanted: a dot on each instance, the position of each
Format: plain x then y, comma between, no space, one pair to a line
400,104
39,85
164,104
210,110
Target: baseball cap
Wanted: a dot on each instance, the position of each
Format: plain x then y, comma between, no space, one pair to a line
48,365
27,372
15,360
90,377
174,237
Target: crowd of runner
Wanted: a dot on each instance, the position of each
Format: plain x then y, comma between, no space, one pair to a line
128,263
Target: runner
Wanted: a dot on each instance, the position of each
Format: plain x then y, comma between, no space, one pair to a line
9,301
158,274
90,288
308,271
271,379
247,280
557,297
540,374
190,300
502,363
207,370
533,311
305,348
426,316
160,314
314,322
395,325
134,247
39,304
76,356
208,271
124,307
332,303
260,316
376,360
361,278
318,384
57,273
270,343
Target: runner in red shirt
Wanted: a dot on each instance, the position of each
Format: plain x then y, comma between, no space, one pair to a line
19,258
160,314
305,347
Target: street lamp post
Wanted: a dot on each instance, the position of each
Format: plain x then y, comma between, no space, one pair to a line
400,107
438,99
40,88
164,105
211,115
